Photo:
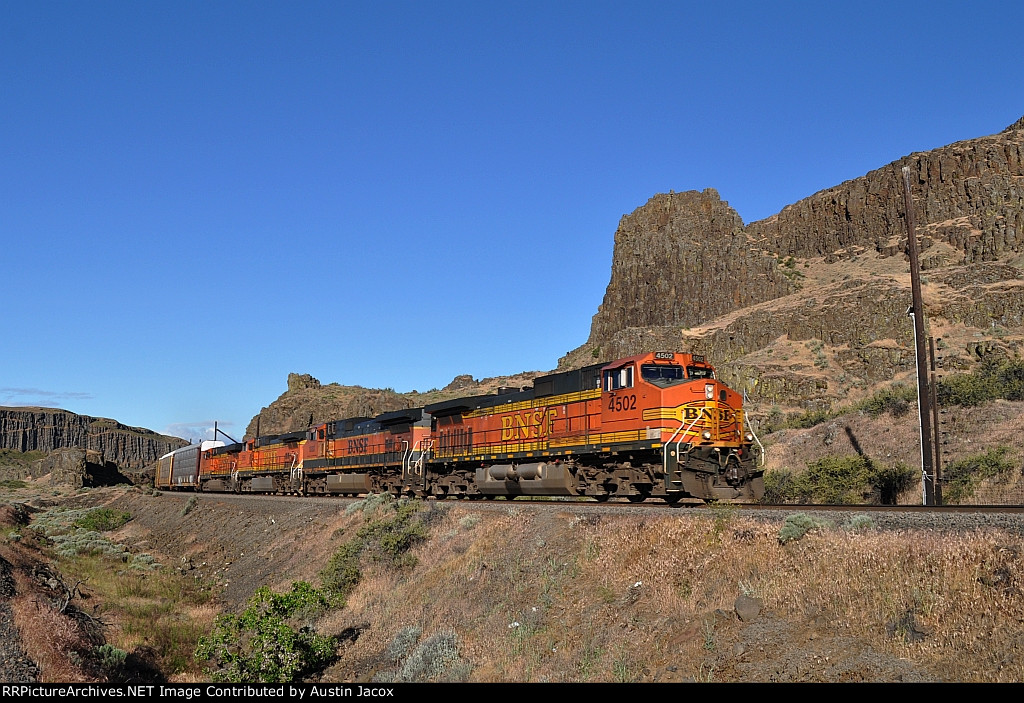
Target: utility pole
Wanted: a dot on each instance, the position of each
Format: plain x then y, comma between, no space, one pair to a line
920,355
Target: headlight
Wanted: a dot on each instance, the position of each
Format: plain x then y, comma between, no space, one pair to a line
749,437
709,391
706,434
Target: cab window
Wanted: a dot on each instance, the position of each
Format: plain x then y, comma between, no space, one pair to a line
662,374
618,378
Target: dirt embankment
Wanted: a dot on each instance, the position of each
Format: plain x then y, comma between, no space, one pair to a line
558,592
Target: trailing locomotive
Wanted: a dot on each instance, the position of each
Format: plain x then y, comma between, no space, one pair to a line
654,425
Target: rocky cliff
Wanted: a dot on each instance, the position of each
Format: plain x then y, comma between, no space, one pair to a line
808,307
47,430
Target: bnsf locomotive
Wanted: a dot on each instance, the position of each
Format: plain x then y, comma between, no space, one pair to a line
654,425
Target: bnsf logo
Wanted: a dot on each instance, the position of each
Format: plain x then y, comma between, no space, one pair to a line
528,425
358,445
720,415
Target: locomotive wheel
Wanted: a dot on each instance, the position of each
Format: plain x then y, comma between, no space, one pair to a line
603,498
672,500
637,498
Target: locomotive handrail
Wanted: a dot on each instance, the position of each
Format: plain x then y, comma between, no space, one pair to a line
664,456
754,435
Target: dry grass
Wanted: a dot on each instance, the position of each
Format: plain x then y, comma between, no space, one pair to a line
50,638
563,594
561,597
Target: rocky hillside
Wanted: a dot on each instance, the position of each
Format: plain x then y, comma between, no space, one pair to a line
808,307
43,431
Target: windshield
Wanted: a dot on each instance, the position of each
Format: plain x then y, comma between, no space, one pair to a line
662,374
699,372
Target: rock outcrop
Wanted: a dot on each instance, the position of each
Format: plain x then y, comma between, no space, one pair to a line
307,402
969,194
47,430
809,306
683,259
79,468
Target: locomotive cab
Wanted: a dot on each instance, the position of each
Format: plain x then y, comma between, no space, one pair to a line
675,402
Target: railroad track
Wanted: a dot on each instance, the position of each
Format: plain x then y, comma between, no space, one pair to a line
886,517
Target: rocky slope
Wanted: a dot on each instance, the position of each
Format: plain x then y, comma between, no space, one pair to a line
808,307
47,430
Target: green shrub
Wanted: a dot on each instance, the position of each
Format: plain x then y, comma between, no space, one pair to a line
843,480
389,539
266,643
799,524
961,478
806,420
342,573
102,519
892,481
110,658
779,486
436,659
895,400
189,506
992,380
860,523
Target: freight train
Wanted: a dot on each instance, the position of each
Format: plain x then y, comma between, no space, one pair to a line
656,425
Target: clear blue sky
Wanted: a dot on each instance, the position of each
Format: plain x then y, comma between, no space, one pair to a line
197,198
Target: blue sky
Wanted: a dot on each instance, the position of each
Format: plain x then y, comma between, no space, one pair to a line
197,198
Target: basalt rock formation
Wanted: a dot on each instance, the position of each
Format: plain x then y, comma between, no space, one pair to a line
79,468
47,430
808,306
307,402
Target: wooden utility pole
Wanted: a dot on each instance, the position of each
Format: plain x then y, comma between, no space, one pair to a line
921,356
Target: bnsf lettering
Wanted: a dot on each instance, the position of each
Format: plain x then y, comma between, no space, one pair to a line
721,415
358,445
531,424
622,402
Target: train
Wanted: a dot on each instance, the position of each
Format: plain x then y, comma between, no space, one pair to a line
656,425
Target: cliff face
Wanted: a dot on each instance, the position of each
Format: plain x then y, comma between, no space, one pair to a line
808,307
683,259
969,194
47,430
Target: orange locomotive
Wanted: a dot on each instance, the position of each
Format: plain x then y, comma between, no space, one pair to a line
653,425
